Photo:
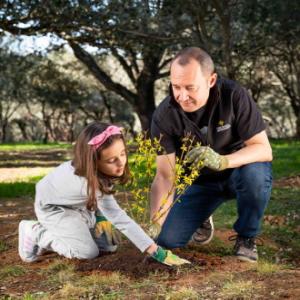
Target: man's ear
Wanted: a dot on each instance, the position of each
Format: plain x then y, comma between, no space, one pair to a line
213,79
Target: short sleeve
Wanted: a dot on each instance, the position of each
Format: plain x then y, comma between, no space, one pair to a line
249,120
165,138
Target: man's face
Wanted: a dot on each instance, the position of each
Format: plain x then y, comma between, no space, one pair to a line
190,85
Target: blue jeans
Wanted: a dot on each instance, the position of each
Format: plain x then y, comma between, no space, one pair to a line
250,184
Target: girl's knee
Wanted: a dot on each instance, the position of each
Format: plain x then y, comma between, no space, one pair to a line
80,251
86,252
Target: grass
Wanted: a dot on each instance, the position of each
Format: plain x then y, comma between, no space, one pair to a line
25,188
265,267
11,271
182,293
32,146
286,158
238,289
3,246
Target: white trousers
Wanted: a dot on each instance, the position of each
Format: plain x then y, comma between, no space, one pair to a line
69,232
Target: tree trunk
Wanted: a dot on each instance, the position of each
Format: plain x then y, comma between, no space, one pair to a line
4,132
143,100
22,125
146,103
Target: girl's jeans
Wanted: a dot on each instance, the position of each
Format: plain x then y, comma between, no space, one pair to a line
250,184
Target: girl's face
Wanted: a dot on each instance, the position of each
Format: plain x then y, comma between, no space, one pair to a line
113,159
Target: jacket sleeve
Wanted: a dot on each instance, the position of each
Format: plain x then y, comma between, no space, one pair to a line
118,217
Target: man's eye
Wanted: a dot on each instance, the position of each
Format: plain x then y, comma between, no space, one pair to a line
191,88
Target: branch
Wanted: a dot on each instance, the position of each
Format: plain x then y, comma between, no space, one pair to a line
124,64
100,75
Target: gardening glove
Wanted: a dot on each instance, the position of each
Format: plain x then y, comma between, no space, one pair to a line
103,226
208,157
154,230
166,257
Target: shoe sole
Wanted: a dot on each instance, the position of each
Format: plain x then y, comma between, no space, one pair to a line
246,259
22,231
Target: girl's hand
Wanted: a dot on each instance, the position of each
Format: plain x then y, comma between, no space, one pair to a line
166,257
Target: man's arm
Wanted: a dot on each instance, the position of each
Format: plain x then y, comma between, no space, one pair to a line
257,149
162,185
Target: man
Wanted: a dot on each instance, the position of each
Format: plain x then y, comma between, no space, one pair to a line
234,150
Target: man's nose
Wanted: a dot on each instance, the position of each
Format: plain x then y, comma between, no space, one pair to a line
183,95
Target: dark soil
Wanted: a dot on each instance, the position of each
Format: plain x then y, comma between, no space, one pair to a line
130,262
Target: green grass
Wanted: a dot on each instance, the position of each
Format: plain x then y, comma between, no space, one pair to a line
32,146
11,271
286,158
3,246
19,189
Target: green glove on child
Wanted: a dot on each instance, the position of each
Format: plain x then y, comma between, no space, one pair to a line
208,157
166,257
103,226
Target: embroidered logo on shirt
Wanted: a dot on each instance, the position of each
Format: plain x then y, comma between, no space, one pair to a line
223,127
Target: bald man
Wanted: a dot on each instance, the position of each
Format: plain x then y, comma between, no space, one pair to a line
234,153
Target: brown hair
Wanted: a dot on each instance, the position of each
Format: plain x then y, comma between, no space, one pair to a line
86,159
184,56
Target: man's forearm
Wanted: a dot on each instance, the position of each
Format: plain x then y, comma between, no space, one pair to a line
249,154
162,194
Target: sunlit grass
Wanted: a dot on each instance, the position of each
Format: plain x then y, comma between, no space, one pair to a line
286,158
238,289
33,146
265,267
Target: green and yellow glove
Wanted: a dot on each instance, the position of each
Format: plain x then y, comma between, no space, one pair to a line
166,257
208,157
154,230
103,226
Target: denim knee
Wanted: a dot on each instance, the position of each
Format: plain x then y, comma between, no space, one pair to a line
253,183
169,243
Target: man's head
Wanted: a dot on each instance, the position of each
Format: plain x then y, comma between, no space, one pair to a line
192,76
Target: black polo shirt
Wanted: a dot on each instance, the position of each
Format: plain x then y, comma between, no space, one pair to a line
229,118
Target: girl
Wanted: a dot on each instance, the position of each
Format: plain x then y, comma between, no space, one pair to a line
77,196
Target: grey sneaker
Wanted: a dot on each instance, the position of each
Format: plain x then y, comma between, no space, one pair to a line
245,249
28,247
204,234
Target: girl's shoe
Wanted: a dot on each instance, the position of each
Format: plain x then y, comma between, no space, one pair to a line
28,247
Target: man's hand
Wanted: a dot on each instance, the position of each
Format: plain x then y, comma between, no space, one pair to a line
154,230
208,157
103,226
166,257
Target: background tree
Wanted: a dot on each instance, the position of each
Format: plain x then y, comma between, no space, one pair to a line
139,34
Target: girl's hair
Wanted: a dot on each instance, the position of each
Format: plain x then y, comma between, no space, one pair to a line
85,163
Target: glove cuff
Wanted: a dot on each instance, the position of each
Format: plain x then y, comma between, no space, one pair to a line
160,254
223,163
100,219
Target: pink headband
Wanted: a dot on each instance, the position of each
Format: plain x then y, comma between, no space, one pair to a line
99,139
